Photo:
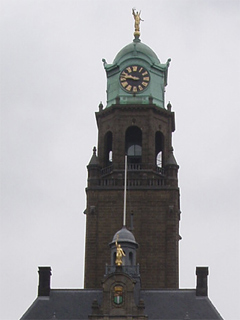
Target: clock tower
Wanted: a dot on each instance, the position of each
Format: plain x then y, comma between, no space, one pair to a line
133,212
135,122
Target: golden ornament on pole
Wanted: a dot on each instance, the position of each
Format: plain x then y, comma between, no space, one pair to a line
137,19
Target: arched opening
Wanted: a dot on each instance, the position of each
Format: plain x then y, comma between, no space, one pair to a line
159,147
108,148
130,258
133,144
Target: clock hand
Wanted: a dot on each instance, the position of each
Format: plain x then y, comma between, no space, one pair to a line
128,76
135,78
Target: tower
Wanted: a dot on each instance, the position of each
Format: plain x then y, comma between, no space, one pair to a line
132,257
135,122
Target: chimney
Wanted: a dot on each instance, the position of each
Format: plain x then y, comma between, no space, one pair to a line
202,286
44,281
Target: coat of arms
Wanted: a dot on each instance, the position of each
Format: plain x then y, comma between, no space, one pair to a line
118,295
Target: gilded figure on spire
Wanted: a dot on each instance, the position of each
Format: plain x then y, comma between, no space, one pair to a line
119,253
137,19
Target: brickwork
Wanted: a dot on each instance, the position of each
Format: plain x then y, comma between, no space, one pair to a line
155,228
152,198
148,118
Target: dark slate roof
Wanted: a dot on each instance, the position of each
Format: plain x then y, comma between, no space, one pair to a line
171,159
64,304
94,160
159,304
124,235
177,304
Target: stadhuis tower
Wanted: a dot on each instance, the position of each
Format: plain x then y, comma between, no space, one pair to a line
135,122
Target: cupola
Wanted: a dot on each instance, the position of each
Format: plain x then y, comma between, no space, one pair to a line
127,241
136,76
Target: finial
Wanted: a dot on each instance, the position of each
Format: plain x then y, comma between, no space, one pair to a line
100,106
141,304
94,150
119,253
169,106
95,305
137,19
104,62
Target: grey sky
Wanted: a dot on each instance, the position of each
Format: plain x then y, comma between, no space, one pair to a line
52,81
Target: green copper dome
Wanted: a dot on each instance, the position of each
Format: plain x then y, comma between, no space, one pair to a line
136,57
135,49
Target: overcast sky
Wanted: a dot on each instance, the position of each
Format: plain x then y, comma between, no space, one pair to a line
52,80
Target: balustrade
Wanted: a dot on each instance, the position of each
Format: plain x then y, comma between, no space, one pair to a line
131,270
111,182
144,180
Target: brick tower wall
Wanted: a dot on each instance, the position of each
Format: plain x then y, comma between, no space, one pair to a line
155,227
152,197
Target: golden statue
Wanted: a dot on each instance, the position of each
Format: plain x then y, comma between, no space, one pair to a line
137,19
119,253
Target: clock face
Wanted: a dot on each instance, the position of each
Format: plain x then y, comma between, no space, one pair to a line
134,79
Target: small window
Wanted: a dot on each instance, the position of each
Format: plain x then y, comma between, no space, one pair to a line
130,258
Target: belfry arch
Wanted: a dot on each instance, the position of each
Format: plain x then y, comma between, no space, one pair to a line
133,144
108,139
159,149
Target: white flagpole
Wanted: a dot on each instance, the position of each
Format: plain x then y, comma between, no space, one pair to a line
125,193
